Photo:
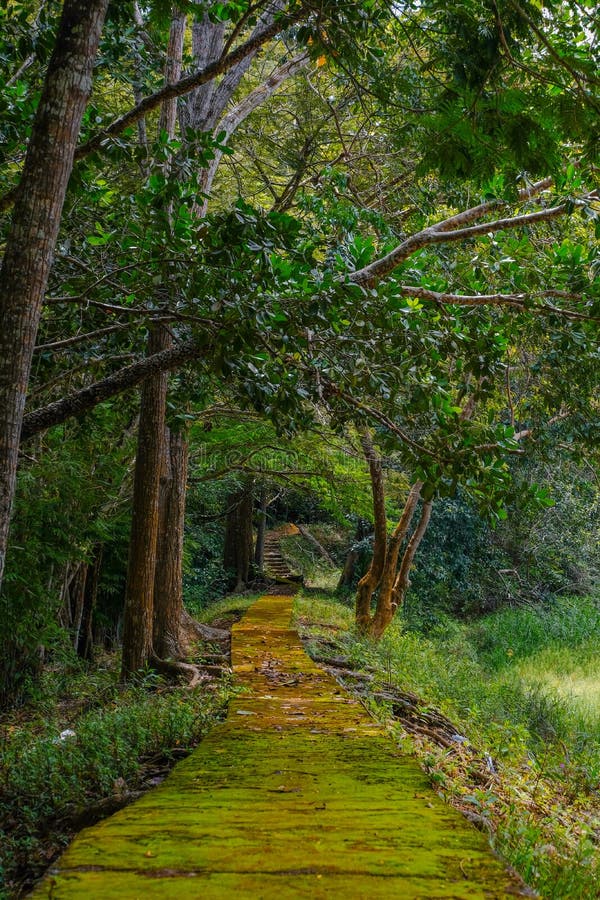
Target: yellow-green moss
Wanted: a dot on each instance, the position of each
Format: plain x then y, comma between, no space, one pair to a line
298,794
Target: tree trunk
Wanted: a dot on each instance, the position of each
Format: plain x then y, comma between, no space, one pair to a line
35,222
168,110
237,553
139,592
240,112
384,612
368,583
169,637
352,557
85,641
259,550
402,582
316,544
347,576
144,616
77,599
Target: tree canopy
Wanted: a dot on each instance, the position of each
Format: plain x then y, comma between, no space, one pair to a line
354,218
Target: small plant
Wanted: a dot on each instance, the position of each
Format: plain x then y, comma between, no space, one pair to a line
50,775
521,684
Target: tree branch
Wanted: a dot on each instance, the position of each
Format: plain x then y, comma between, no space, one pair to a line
171,91
436,234
127,378
80,338
518,301
242,110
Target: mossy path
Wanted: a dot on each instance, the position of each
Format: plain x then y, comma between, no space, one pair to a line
297,794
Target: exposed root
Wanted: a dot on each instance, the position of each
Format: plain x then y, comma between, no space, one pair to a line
204,632
179,671
409,710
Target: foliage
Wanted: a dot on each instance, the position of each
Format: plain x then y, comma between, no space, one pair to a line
411,113
50,774
467,568
518,684
72,497
228,609
303,558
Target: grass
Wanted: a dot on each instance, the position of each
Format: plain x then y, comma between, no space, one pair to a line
226,610
303,557
523,686
52,776
86,745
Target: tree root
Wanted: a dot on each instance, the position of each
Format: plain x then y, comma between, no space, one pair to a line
179,671
204,632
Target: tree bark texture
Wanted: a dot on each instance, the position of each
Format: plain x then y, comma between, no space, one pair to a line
131,376
169,637
402,582
383,575
35,223
139,592
237,553
384,610
168,110
167,599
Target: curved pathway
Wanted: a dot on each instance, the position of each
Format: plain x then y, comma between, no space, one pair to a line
297,794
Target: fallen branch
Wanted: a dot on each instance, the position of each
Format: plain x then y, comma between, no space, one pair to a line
315,543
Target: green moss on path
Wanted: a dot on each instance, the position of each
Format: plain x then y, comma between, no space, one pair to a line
297,794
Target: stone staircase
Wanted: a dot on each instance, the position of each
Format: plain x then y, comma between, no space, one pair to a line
275,565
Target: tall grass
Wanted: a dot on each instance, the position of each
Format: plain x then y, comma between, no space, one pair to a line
524,686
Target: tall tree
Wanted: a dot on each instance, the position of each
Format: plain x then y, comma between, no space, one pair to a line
139,594
35,223
202,111
142,620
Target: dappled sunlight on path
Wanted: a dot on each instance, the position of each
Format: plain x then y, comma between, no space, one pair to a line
299,793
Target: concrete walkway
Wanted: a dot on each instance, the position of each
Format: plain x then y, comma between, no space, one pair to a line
297,794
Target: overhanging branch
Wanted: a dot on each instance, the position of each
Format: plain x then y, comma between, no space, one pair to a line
81,401
172,91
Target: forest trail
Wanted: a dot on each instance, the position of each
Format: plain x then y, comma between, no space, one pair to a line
299,793
275,564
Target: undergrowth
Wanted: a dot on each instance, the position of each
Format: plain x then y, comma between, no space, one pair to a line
521,686
227,609
87,745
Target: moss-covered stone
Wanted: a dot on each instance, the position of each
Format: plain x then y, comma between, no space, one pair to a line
298,794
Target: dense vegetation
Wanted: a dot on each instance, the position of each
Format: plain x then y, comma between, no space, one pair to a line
331,264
